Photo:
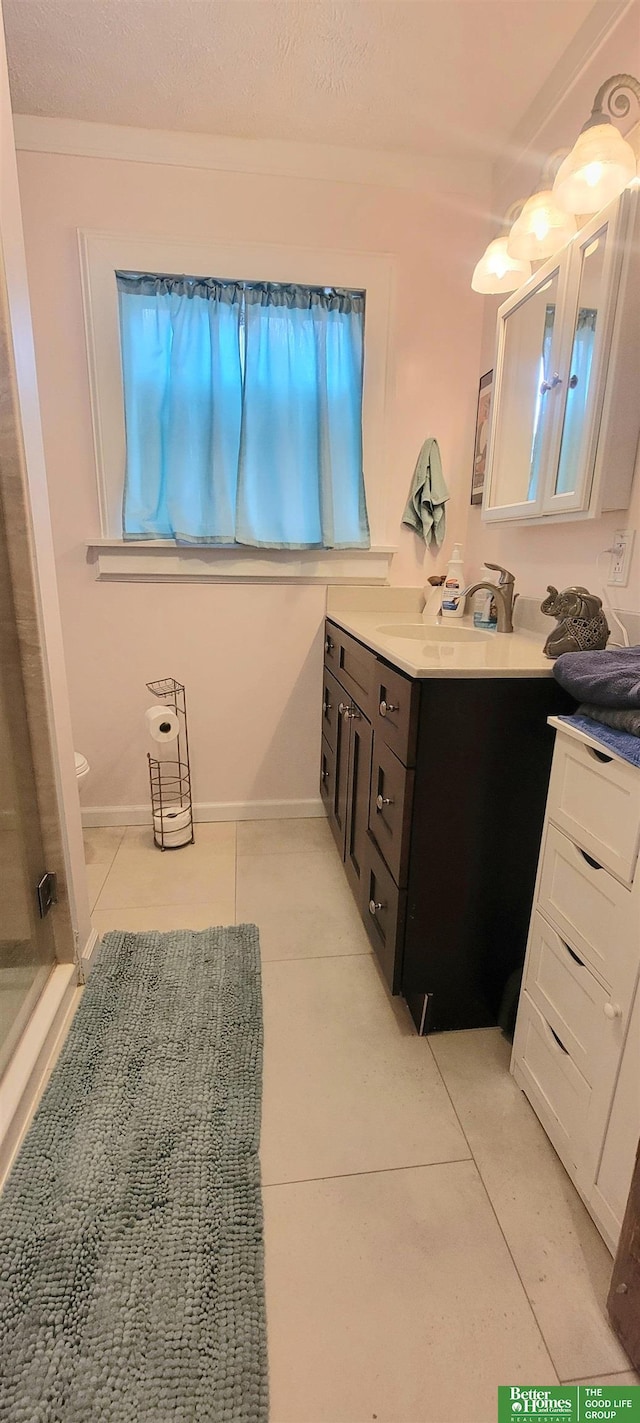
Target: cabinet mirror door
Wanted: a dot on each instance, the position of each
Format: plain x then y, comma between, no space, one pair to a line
583,367
525,417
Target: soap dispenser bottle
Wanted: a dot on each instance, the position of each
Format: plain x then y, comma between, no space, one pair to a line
453,599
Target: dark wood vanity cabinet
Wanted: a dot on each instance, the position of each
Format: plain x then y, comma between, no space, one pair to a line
435,792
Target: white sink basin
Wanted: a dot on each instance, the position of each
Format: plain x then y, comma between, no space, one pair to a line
427,632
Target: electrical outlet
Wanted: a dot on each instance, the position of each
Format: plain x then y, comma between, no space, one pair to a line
619,563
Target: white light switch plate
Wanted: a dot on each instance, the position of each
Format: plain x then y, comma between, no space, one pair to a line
620,561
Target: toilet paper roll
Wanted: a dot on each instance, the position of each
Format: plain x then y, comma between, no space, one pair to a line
173,817
173,826
162,723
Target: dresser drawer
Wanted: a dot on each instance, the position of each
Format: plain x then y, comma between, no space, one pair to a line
592,910
332,695
354,665
383,912
596,800
573,1003
390,809
395,714
556,1088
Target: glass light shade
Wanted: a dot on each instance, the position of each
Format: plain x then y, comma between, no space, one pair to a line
541,229
497,271
599,166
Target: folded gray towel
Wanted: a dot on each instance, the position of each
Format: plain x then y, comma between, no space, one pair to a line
612,716
610,678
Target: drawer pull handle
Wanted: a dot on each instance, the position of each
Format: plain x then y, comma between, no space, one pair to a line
382,800
571,953
560,1044
590,860
326,708
599,755
612,1011
386,707
328,645
375,908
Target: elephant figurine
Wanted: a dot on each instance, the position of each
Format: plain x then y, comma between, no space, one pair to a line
582,626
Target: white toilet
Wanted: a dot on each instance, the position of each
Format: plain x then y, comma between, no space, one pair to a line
82,766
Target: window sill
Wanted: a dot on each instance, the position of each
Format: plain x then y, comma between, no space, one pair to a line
160,561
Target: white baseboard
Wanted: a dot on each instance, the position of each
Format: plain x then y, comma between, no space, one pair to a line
96,815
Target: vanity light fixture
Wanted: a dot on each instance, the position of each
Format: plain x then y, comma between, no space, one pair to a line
542,227
499,271
601,162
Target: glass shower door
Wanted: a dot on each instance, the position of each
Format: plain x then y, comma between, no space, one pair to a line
26,940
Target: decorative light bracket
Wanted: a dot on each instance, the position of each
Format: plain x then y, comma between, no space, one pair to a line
552,164
510,216
612,100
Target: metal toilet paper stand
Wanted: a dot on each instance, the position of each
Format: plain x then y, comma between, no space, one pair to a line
170,779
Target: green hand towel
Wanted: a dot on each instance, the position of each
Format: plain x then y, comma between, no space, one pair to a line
425,511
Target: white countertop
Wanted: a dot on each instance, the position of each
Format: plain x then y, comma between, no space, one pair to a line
485,654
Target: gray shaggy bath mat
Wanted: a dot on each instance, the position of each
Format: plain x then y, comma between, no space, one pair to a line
131,1251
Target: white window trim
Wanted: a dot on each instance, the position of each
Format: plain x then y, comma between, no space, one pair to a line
101,254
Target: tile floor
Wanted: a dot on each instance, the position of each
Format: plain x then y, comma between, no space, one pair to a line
423,1243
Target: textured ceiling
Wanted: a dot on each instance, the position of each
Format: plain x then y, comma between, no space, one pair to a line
432,76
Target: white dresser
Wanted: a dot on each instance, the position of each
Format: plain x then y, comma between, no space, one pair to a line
576,1050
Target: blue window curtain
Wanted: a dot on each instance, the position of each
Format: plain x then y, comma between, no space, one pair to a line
243,411
182,377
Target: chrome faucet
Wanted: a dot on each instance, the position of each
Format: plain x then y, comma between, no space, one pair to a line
503,592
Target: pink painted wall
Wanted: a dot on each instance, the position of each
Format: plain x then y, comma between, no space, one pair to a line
560,553
250,655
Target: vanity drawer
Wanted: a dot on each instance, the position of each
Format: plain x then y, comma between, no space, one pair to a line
395,715
573,1003
596,800
354,665
332,695
390,809
559,1093
383,912
592,910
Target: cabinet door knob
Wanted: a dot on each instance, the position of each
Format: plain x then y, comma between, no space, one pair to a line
550,384
342,709
612,1010
383,800
328,644
324,776
386,707
326,707
374,908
